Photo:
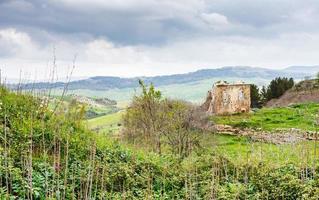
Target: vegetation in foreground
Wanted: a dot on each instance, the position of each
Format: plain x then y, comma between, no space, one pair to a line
51,155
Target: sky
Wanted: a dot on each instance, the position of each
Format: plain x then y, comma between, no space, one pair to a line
154,37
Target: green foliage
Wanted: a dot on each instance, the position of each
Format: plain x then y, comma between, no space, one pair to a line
255,97
142,118
160,122
277,87
51,155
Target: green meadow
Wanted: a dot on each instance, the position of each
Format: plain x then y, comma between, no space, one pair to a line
302,116
107,123
240,149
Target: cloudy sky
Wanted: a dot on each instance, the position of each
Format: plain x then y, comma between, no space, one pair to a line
151,37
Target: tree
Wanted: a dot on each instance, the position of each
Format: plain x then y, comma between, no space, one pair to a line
277,87
157,121
180,120
142,120
263,94
255,97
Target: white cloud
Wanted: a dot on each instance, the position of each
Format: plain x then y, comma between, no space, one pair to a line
215,19
105,51
13,42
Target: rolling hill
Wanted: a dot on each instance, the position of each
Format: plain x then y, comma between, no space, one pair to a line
189,86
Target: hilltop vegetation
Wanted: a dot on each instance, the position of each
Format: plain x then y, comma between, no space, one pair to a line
306,91
274,90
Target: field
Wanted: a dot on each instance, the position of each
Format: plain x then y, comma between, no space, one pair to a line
241,149
302,116
107,123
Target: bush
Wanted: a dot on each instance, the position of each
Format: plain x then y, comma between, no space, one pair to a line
159,121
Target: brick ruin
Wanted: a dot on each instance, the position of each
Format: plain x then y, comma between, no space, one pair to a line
225,98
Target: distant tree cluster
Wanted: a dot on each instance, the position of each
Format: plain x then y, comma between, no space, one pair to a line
275,89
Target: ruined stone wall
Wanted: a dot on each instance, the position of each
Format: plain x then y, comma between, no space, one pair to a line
229,99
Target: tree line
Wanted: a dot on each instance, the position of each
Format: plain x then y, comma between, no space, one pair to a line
275,89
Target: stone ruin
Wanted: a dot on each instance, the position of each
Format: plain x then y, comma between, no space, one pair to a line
225,98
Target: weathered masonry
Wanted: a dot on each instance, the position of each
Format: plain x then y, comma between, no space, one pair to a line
227,98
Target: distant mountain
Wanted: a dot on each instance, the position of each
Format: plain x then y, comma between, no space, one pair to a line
110,82
313,70
29,81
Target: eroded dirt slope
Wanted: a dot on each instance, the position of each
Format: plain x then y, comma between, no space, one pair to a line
303,92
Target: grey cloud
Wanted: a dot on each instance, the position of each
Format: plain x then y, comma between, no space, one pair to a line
128,26
156,22
264,13
117,36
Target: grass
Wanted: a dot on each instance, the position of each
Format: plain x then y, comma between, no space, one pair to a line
98,111
237,149
302,116
242,150
107,123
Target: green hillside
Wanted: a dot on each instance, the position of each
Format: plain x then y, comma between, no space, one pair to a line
224,73
191,91
52,155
